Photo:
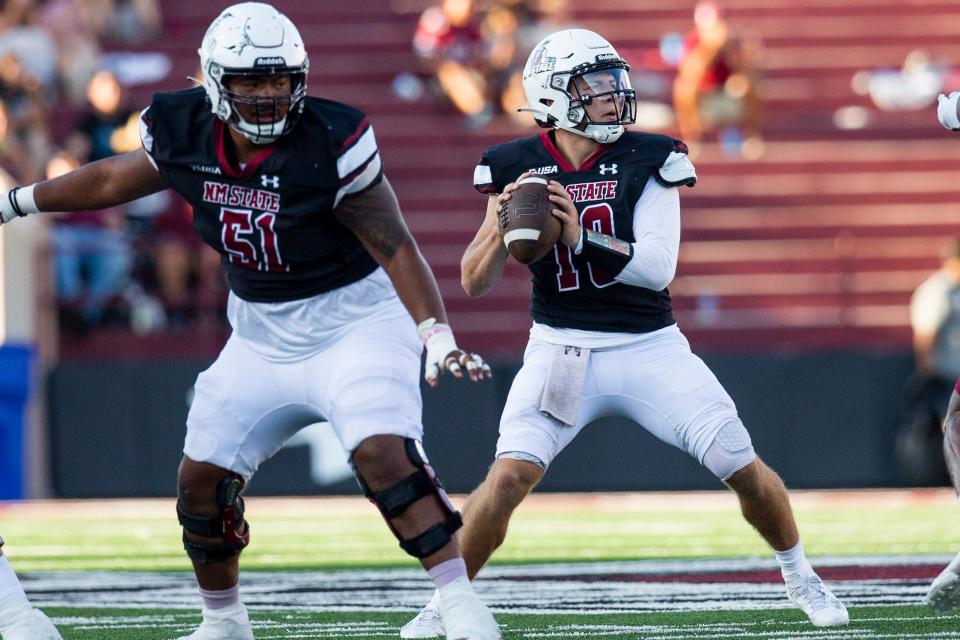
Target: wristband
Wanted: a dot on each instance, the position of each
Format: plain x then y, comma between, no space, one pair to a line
17,203
609,253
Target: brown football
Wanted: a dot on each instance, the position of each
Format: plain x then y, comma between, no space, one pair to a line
529,229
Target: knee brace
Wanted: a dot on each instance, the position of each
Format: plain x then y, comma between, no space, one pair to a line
393,501
228,525
731,451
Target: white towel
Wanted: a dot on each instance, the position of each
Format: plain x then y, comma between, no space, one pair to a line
563,389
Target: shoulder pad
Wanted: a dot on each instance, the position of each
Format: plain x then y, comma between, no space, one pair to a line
677,170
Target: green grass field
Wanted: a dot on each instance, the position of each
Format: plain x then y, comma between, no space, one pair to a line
329,569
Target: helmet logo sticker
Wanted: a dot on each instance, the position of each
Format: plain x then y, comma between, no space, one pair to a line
541,62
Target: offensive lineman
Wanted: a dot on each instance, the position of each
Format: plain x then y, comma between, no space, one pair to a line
328,294
604,340
944,593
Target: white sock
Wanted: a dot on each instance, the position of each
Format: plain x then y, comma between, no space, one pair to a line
220,599
794,564
11,593
448,571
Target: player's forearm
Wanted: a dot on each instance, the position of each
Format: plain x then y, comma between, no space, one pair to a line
482,264
99,185
414,282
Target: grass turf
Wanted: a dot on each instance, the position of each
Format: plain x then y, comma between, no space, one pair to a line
894,622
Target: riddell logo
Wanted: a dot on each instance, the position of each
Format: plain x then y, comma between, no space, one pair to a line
270,62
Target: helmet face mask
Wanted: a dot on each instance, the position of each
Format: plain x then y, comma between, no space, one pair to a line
602,96
250,45
259,112
576,81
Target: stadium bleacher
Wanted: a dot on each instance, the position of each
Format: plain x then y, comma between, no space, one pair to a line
819,243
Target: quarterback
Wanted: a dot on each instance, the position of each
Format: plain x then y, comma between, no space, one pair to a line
331,303
944,593
604,340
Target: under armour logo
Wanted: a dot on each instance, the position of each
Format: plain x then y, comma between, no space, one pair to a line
274,181
605,169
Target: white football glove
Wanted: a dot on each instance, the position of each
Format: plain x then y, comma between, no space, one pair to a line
443,354
947,111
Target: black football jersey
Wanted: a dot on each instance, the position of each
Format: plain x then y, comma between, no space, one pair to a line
568,291
272,219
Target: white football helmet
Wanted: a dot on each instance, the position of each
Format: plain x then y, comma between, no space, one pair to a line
254,39
559,101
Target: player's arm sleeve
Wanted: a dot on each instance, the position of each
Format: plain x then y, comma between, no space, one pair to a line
656,229
359,168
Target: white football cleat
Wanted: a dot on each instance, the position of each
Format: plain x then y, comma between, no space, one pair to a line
27,624
229,623
427,624
464,615
944,593
822,607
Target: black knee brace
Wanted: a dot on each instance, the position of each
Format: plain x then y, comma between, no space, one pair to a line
394,500
229,525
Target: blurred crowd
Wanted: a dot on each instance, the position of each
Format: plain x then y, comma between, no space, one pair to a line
700,84
473,53
141,266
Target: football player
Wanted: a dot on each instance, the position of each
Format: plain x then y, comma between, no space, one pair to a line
944,593
18,619
604,340
331,303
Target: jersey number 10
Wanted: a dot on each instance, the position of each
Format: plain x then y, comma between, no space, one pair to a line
596,217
